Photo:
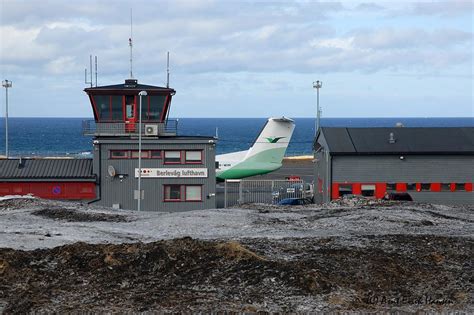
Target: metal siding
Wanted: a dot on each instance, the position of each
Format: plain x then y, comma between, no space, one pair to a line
412,169
444,197
114,191
46,169
321,172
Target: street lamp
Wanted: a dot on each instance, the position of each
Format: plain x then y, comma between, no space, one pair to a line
140,193
6,84
317,85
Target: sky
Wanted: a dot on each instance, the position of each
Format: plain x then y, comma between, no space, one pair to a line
244,58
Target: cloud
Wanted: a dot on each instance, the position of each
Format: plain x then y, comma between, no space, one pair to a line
369,6
451,8
216,37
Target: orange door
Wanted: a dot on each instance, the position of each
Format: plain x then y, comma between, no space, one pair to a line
130,114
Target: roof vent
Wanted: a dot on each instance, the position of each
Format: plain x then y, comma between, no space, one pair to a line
399,125
21,163
131,83
391,138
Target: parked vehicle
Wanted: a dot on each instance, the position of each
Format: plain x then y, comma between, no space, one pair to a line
294,201
297,190
403,196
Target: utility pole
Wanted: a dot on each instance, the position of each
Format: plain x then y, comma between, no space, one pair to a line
317,85
140,193
6,84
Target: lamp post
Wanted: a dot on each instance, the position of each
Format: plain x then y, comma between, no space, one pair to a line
317,85
6,84
141,94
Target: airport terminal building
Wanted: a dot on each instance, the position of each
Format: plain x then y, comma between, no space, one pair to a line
177,172
431,164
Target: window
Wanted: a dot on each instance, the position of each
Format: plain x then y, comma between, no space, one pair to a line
193,157
460,186
119,154
155,154
411,186
172,193
144,155
144,107
445,187
345,189
425,187
193,193
368,190
117,107
157,103
102,103
172,157
391,187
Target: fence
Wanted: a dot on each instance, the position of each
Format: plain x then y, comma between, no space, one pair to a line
237,192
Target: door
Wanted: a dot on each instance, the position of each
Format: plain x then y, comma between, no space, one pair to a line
130,114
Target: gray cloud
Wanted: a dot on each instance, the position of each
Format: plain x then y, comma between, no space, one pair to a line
208,36
449,8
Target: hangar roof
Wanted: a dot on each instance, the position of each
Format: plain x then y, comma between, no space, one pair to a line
394,140
46,169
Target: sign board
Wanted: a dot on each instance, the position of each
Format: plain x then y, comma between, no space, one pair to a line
136,194
172,172
290,190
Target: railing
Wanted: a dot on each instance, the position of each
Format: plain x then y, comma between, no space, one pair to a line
149,128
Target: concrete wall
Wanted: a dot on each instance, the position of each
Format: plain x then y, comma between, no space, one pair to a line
113,190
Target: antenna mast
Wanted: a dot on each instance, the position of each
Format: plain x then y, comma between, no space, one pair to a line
95,71
168,70
85,72
131,45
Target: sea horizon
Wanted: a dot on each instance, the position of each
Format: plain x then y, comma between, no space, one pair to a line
62,136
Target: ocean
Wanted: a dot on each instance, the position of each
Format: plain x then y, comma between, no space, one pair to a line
63,136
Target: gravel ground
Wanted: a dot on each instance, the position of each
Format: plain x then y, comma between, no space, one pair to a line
349,255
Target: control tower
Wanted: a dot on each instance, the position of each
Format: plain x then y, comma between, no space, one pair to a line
177,172
116,110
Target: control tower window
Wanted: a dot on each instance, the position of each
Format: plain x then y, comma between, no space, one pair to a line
129,106
102,102
116,106
157,102
145,106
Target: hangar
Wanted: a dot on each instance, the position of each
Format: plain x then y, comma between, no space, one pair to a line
431,164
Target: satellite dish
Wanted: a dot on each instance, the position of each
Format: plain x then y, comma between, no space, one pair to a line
111,171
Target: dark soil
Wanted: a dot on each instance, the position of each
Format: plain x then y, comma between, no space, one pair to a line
78,216
407,273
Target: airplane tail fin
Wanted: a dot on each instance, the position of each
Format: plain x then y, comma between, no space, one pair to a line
270,145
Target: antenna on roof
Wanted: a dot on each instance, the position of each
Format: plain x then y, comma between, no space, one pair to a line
168,70
131,45
95,71
90,70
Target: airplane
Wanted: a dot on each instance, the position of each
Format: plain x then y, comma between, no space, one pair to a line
264,156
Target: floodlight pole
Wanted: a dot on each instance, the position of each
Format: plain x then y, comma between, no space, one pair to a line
317,85
6,84
141,94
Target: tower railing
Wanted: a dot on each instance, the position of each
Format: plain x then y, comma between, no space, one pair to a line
121,129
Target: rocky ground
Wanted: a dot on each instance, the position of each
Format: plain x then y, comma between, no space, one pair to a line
350,255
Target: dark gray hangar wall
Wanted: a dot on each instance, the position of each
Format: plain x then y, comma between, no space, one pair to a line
412,169
115,191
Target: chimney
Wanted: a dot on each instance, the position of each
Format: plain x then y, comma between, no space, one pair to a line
391,138
21,163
